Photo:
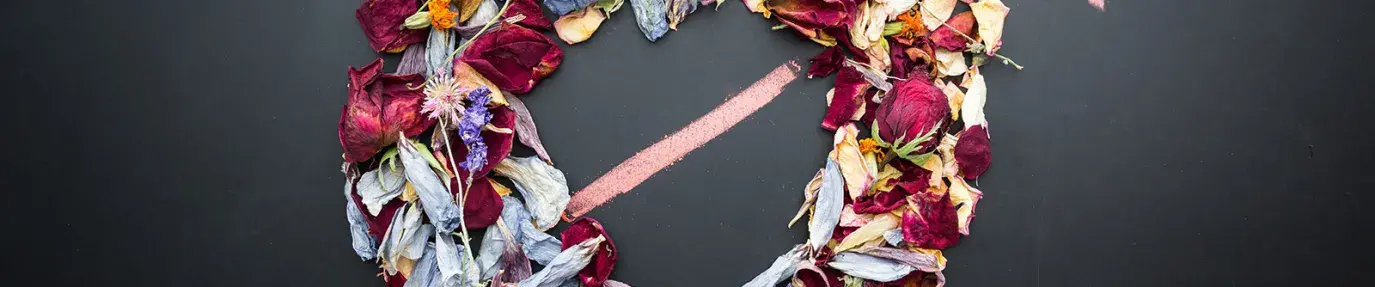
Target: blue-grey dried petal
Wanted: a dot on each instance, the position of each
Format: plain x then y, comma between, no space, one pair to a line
449,258
783,268
829,201
543,187
485,12
437,49
379,186
489,254
921,261
614,283
405,222
426,272
869,267
412,61
434,196
564,265
416,247
363,244
561,7
515,266
893,237
652,17
537,245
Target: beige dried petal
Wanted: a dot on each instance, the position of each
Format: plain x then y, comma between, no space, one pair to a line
966,198
848,217
950,63
973,108
851,161
893,8
942,9
989,14
873,230
579,25
956,97
470,78
809,193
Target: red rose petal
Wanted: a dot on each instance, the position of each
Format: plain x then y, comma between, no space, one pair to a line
381,21
826,63
513,57
946,38
534,16
972,152
483,206
934,225
849,93
596,273
379,107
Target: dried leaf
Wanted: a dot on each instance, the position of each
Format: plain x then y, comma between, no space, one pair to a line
950,63
990,15
544,188
526,130
940,8
829,201
782,268
869,267
652,17
579,25
564,265
973,108
434,196
874,229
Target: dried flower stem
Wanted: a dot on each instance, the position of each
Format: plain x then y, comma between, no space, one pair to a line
1005,59
462,195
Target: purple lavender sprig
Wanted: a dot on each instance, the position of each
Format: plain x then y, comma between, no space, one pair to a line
470,128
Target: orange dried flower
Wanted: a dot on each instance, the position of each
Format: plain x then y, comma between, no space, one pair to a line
912,26
440,15
868,145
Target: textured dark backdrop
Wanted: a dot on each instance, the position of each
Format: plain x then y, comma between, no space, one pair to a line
1187,143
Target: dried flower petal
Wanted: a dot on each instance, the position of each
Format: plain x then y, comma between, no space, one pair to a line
443,18
826,63
513,57
678,10
870,231
920,261
942,9
972,110
652,16
808,274
449,259
579,25
434,196
847,98
1102,7
990,15
363,244
400,234
483,206
811,17
829,200
526,130
893,8
933,225
782,268
972,153
533,15
380,186
379,106
563,7
851,161
596,273
544,188
950,39
564,265
950,63
881,202
381,21
515,266
809,195
967,198
913,109
426,270
869,267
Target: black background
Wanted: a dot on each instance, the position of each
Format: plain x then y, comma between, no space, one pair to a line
1188,143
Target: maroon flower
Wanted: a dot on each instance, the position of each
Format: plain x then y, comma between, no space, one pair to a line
596,273
513,58
534,17
946,38
826,63
934,224
483,206
811,17
972,152
381,21
847,98
914,108
380,107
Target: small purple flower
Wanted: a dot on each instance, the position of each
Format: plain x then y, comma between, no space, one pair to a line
477,157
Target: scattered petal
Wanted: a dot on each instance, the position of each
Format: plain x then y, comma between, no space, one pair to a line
434,196
873,230
782,268
563,7
990,15
956,97
424,272
526,130
652,17
381,21
596,273
363,244
915,112
967,198
380,186
924,262
513,57
678,10
533,16
940,8
809,193
579,25
950,39
846,98
950,63
1100,4
934,223
379,106
826,63
564,265
869,267
810,17
893,8
972,110
972,153
846,154
544,188
829,201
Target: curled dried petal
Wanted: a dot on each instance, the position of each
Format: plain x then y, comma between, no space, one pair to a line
829,201
990,15
579,25
652,17
783,267
564,265
533,17
596,273
869,267
512,57
933,225
846,98
950,39
826,63
380,106
434,196
544,188
381,21
972,153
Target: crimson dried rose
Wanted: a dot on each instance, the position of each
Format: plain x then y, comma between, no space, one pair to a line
934,225
913,109
944,37
534,17
846,98
513,58
811,17
381,21
596,273
380,107
972,152
826,63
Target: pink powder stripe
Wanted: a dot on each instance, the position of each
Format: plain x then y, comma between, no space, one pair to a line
672,148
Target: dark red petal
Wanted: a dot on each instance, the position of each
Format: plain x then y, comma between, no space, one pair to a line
403,96
498,144
395,280
972,152
377,225
381,21
849,93
881,202
934,225
483,206
534,16
826,63
946,38
513,58
810,17
902,65
379,107
913,108
842,37
596,273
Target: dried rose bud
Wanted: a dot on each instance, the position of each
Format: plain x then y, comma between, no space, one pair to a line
380,107
915,112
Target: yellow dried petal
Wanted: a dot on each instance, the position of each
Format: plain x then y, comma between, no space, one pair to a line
956,97
942,9
502,190
874,229
950,63
851,161
990,15
579,25
966,198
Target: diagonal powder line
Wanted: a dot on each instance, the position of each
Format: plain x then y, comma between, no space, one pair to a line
638,168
